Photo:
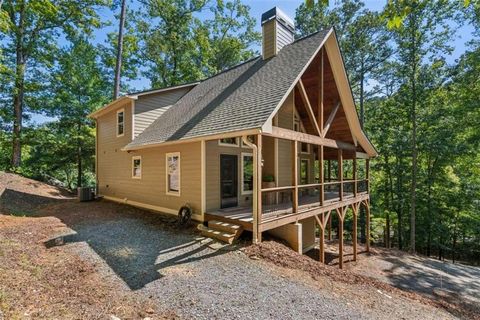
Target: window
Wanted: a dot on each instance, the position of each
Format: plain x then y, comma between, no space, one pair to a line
120,122
247,173
229,142
137,167
304,171
173,173
305,148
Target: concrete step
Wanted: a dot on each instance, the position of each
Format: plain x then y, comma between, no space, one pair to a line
216,234
224,226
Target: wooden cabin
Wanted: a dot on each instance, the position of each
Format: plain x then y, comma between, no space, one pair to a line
271,145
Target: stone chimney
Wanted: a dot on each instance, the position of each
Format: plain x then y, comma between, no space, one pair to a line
277,31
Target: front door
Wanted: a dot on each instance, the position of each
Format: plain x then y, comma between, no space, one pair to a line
228,180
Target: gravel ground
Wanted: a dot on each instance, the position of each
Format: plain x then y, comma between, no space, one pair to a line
422,274
200,279
146,256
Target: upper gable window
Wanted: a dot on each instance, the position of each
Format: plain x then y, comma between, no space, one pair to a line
120,122
229,142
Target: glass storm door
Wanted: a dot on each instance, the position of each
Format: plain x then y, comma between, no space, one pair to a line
228,180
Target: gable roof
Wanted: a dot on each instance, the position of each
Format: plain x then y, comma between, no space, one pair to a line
244,97
134,96
240,98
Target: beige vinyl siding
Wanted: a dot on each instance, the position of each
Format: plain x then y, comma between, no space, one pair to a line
151,106
212,155
115,168
268,39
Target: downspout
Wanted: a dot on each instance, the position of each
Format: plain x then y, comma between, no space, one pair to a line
255,187
96,158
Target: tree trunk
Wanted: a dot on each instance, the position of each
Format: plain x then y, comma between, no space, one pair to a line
118,66
79,158
413,191
19,91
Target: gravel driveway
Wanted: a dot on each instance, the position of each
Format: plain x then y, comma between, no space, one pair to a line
181,271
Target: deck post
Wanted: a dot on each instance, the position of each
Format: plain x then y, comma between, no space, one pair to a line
368,225
330,228
329,171
259,188
295,176
354,175
340,172
341,214
321,223
321,174
367,174
354,235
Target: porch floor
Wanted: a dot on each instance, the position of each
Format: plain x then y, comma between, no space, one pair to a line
244,215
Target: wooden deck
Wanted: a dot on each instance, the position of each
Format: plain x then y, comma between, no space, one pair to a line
276,215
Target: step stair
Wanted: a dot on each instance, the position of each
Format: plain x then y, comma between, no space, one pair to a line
223,231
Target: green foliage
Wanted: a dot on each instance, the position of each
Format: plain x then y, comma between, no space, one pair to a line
176,46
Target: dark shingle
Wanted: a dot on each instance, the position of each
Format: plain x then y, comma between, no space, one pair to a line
241,98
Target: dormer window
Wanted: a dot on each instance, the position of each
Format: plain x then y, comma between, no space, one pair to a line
120,122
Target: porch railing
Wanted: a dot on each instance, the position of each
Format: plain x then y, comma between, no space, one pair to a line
278,201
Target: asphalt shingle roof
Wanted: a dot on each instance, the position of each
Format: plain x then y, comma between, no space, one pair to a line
240,98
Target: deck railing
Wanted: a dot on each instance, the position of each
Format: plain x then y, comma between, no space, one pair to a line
278,201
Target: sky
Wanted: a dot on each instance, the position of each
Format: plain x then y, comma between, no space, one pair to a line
257,7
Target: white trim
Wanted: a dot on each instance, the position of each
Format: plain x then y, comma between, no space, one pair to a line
173,193
106,109
223,144
133,119
122,110
138,94
207,137
196,217
243,154
133,167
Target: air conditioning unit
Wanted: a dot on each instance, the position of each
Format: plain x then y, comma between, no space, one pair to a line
86,193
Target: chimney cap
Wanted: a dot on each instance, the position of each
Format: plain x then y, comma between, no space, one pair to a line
275,12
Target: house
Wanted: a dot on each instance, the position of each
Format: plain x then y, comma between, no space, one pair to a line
271,145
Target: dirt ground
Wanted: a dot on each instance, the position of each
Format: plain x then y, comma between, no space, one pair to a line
99,260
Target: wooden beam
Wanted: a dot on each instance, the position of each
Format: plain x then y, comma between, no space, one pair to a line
308,106
286,134
330,119
295,176
259,187
355,183
340,172
330,228
320,101
321,224
341,216
362,155
368,226
321,174
354,235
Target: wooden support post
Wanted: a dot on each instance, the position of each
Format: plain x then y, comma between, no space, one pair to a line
330,228
341,215
354,235
329,171
321,174
355,185
295,176
259,187
368,225
321,224
340,172
367,174
321,96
